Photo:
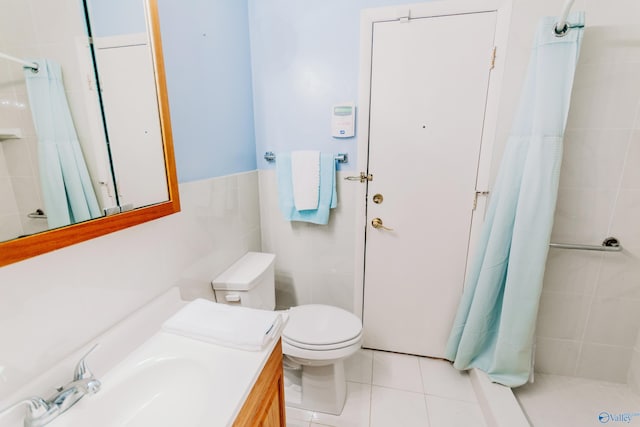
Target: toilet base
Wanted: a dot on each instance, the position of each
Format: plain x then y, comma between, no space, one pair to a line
316,388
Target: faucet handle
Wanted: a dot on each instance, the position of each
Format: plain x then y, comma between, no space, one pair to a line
37,409
82,370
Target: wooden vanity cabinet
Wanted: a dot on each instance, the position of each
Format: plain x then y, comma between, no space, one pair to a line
265,405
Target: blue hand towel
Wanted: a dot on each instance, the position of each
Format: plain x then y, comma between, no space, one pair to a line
328,196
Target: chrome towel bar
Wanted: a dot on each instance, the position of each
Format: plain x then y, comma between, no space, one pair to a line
270,156
610,244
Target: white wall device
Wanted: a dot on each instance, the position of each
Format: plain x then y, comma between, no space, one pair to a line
343,120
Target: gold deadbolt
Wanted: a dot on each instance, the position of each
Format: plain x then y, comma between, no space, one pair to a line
377,224
377,198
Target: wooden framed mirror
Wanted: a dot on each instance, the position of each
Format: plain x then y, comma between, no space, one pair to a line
22,248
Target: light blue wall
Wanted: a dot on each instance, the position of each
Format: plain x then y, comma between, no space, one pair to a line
208,66
305,58
232,100
114,17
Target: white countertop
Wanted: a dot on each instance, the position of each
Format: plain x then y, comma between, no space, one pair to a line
223,376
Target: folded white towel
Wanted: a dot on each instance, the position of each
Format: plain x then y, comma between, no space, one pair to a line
305,176
238,327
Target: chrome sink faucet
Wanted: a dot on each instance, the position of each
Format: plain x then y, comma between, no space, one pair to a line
41,412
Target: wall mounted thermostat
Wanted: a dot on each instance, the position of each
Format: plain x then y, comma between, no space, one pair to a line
343,120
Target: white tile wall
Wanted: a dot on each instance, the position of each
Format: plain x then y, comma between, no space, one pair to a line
604,362
314,263
54,303
619,277
10,224
562,315
613,321
557,356
633,377
631,176
588,321
225,210
33,29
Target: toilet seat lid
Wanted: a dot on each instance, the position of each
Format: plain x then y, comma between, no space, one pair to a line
317,324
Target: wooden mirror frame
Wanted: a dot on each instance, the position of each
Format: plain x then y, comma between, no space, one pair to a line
36,244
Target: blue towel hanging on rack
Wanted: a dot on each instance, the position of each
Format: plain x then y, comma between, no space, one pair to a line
328,198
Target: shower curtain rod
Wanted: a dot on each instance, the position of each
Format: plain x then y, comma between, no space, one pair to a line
31,65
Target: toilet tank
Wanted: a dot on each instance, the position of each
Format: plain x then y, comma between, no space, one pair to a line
249,282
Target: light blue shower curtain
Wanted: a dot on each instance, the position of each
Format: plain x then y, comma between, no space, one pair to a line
495,323
66,186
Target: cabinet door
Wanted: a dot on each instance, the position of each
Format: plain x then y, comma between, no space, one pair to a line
272,417
265,405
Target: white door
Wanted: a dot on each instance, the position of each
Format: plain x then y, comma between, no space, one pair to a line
429,82
133,122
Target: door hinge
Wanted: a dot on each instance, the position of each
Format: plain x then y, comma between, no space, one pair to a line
493,58
475,198
403,14
363,177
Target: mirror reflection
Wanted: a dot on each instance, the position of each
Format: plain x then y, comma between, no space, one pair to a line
69,151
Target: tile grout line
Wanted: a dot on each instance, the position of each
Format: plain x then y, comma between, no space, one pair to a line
592,299
424,392
373,355
632,131
421,377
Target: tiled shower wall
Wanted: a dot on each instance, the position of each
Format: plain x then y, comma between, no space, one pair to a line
37,29
589,315
9,216
19,188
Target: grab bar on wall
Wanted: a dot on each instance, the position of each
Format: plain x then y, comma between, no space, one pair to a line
610,244
270,156
37,214
31,65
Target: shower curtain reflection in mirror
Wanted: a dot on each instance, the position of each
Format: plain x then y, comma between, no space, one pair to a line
66,187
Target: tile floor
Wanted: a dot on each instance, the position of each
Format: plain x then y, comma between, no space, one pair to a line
388,389
557,401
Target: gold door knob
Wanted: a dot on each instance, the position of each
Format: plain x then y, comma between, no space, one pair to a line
377,224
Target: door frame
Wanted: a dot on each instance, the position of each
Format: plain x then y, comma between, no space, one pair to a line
369,17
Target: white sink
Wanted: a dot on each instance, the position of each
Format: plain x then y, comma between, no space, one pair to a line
162,392
169,381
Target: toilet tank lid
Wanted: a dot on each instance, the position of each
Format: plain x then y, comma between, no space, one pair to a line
245,273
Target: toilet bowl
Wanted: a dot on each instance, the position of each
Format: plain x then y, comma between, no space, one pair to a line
318,338
315,342
321,334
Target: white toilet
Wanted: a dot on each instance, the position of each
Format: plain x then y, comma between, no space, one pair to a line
315,341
